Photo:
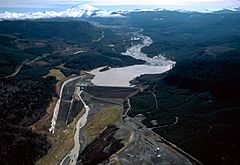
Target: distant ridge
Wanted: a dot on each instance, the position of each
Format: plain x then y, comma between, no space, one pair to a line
80,11
86,10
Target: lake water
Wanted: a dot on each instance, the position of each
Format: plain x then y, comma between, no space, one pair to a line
122,76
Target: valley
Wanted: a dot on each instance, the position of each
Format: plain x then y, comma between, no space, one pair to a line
140,87
125,133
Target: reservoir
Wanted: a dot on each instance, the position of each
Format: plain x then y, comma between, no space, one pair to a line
121,76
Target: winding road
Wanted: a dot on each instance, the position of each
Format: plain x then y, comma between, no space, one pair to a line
100,38
157,107
19,67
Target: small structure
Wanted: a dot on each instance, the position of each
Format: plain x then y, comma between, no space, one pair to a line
82,86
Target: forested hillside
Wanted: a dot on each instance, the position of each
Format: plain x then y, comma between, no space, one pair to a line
29,50
198,100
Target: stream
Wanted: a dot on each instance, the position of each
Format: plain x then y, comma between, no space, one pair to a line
73,154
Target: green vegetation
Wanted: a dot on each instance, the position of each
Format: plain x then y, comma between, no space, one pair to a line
25,96
71,31
204,94
10,58
182,35
220,75
147,103
202,90
55,42
23,103
203,120
101,120
91,60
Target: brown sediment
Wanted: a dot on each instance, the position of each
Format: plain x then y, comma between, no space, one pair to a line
60,82
43,124
114,160
62,142
56,73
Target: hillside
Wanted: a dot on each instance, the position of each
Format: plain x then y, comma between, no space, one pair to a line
32,56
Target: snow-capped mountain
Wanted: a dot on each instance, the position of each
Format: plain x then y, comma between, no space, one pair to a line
82,10
86,11
182,10
207,10
76,12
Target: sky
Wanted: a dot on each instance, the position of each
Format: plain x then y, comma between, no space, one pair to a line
62,4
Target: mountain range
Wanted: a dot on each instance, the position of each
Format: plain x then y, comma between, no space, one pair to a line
86,11
81,11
